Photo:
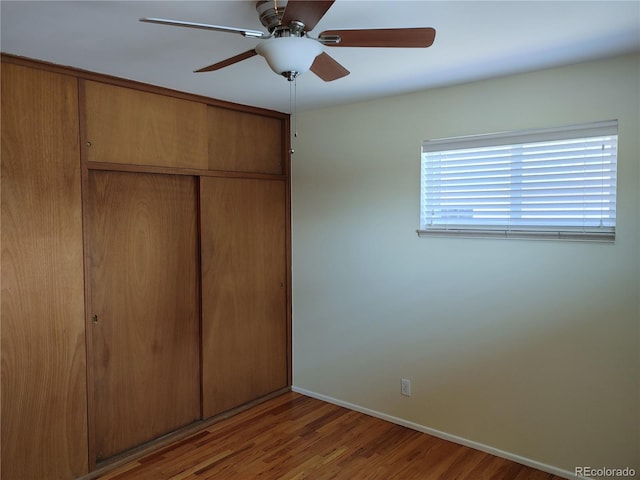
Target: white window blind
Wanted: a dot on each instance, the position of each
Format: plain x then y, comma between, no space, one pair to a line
552,183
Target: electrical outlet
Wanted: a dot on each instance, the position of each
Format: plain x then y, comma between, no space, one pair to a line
405,387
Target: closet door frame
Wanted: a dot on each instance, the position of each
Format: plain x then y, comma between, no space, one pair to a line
87,166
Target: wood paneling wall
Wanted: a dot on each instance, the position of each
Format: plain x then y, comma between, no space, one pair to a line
44,426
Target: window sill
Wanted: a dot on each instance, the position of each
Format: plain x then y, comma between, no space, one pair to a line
575,236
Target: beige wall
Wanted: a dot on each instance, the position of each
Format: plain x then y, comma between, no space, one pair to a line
530,347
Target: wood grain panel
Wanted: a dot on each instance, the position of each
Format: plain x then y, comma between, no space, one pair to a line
295,437
129,126
244,142
44,412
144,290
243,291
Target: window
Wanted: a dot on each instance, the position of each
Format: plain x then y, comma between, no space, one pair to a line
555,183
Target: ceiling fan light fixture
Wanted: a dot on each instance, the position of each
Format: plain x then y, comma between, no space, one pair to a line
289,56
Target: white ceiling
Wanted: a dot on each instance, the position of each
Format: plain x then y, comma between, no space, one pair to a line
474,40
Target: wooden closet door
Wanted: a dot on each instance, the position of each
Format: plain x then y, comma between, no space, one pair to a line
244,325
143,247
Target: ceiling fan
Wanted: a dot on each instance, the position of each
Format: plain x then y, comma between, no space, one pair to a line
290,51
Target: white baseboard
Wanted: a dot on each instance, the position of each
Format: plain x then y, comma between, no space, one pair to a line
445,436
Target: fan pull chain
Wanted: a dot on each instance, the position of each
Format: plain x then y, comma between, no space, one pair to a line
293,107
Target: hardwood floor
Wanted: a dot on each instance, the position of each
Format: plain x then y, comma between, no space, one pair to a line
292,437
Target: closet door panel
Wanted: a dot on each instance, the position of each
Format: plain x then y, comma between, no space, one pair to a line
129,126
244,142
145,296
44,410
244,330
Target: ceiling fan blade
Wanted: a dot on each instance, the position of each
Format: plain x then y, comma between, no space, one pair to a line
205,26
384,37
306,11
228,61
327,68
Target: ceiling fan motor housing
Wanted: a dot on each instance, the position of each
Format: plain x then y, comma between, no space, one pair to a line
270,13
